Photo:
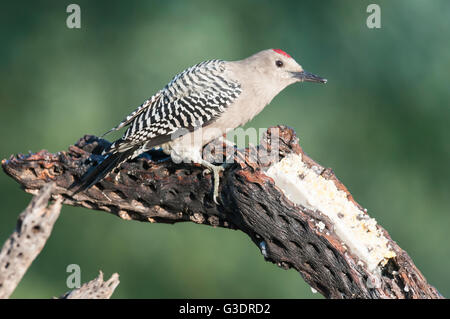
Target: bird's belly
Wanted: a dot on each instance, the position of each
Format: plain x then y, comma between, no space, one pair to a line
246,107
242,111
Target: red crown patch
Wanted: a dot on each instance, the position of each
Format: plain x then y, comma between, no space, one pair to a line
279,51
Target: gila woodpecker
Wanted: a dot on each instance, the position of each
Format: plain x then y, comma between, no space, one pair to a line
215,94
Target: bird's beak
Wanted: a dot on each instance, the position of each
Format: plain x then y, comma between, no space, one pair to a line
305,76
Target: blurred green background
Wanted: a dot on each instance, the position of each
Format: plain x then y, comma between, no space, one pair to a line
381,122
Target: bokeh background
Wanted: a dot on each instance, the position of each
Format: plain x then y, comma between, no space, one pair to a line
381,122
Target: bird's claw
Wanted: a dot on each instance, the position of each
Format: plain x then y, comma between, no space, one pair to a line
215,169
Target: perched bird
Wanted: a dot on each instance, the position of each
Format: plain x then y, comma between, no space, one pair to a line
214,95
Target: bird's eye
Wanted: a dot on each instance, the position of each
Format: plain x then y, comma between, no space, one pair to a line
279,63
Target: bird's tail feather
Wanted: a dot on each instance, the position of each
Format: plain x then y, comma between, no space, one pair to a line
95,174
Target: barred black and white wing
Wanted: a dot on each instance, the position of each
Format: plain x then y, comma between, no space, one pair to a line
193,99
132,116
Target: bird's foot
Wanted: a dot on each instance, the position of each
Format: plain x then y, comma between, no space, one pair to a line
215,169
117,177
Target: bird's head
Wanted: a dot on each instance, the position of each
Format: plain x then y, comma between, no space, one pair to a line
279,68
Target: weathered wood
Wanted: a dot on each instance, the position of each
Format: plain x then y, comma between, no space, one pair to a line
152,188
97,288
34,227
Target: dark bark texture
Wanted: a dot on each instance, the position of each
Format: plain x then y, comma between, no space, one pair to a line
154,189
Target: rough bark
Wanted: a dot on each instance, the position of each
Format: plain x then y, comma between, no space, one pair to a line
152,188
34,227
97,288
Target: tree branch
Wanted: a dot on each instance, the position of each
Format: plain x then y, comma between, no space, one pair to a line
34,227
95,289
297,212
